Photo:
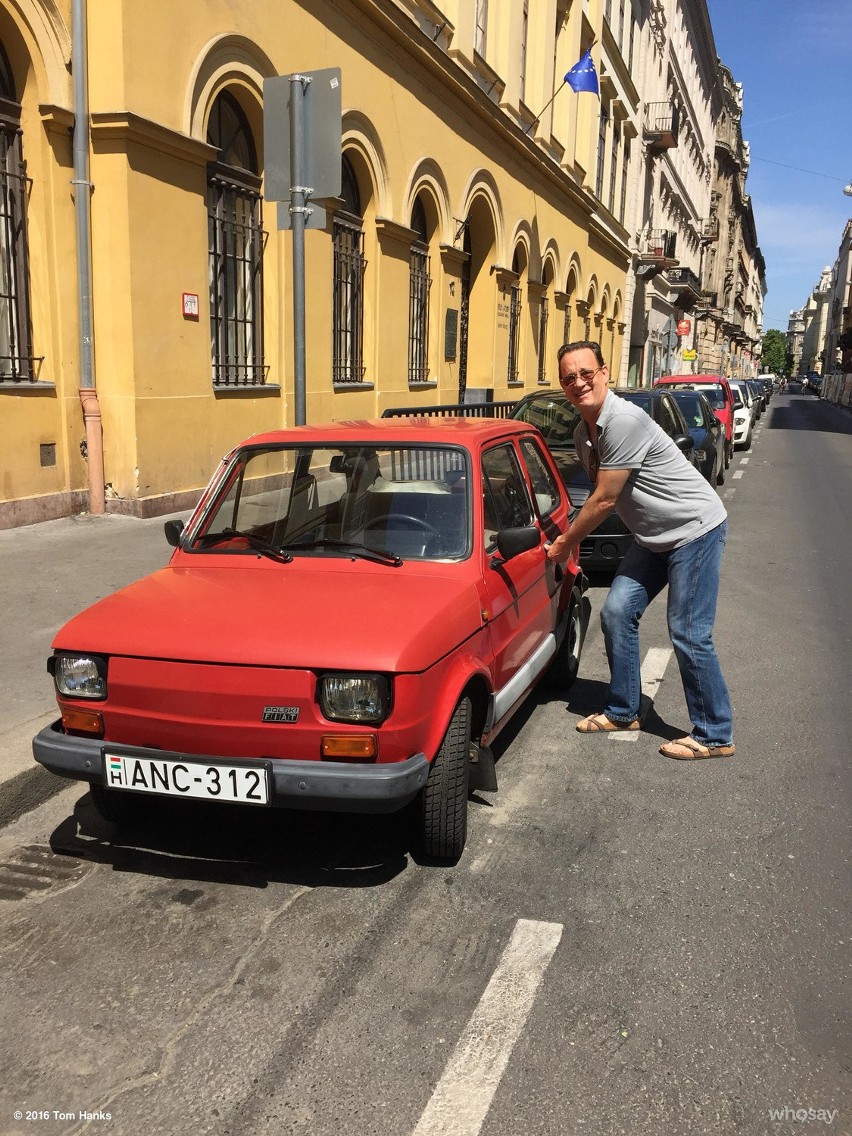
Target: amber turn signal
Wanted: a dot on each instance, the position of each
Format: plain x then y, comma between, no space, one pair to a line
349,747
82,721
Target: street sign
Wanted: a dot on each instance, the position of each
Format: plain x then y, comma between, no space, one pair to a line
683,327
320,172
690,355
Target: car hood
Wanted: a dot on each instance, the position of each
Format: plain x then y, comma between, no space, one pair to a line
311,614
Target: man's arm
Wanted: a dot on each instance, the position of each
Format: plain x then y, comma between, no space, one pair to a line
598,506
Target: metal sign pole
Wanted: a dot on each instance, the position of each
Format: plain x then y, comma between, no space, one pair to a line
298,209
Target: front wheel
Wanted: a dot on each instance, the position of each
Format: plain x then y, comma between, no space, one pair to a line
729,453
720,476
443,802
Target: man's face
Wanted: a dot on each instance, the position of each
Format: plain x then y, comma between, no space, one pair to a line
584,381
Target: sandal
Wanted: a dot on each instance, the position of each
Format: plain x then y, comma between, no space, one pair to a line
688,749
600,724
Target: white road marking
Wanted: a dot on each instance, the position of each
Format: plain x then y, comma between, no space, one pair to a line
739,473
652,674
728,493
744,461
654,669
464,1093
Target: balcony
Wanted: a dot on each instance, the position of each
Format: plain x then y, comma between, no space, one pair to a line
686,285
710,231
659,245
660,129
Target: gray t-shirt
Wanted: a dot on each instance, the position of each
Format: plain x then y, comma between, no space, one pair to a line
665,501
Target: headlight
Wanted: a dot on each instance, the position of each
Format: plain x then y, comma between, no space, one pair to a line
79,676
354,697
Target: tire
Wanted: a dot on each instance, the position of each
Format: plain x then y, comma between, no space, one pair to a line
729,453
566,662
443,802
121,809
720,473
747,442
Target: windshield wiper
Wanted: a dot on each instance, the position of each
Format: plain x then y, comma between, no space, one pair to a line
380,555
258,544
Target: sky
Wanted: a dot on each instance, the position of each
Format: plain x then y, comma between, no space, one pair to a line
793,60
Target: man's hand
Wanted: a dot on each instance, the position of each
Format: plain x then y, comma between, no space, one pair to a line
561,546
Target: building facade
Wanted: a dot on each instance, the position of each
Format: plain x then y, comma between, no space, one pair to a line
467,240
729,315
837,353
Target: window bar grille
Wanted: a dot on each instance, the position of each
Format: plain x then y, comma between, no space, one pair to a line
348,331
542,341
514,331
16,358
418,316
236,285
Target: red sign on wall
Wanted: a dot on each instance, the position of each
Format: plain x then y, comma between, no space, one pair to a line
683,327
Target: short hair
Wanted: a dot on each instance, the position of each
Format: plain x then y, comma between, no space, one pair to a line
582,344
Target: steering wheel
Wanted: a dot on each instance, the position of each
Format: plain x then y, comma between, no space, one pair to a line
407,519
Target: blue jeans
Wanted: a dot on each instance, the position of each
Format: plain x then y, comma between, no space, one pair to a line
692,574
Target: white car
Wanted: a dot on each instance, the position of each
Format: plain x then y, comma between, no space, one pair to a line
743,422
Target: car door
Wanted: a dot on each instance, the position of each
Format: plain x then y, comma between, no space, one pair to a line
517,591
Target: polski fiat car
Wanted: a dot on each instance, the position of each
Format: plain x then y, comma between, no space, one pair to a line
349,618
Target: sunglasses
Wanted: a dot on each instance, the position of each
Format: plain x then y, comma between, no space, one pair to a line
586,376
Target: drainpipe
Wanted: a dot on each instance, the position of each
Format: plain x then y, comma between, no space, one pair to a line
83,213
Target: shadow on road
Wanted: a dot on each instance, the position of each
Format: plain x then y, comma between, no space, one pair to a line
809,414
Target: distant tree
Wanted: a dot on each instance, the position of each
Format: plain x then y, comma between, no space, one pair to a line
774,357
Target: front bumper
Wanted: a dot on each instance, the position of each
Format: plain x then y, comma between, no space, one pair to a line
333,786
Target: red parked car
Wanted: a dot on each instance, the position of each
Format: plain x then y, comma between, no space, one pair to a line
351,615
718,392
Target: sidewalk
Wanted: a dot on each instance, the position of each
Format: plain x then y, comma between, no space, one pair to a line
48,573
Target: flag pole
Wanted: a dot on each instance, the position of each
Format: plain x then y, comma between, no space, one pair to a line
537,119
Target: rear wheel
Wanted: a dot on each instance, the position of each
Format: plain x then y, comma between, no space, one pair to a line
122,809
720,475
443,802
566,662
729,453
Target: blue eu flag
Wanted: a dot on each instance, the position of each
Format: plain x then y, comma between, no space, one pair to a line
582,76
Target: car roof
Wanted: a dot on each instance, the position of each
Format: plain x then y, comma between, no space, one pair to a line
692,378
387,431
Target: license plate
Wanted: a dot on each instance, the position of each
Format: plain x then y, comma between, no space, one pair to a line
242,783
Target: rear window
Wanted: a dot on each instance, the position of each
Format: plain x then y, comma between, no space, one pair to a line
555,418
714,394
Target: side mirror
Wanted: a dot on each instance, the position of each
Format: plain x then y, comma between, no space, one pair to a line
684,443
174,531
512,542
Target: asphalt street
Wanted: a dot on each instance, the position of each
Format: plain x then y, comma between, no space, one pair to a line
629,945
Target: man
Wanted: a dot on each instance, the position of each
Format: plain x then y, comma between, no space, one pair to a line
680,526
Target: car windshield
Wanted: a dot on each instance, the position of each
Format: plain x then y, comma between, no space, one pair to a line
382,503
712,391
553,416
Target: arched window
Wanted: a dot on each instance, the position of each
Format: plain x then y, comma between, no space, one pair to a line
16,359
235,231
349,266
418,298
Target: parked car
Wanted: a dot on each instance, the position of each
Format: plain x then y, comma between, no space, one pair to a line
719,395
742,416
660,405
767,381
747,396
350,617
706,432
556,418
759,393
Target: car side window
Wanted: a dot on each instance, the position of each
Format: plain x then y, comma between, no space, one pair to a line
505,499
668,419
544,485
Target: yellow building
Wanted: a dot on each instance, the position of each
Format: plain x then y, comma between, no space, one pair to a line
467,243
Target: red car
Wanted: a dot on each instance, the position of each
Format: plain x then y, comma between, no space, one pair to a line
351,615
720,396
